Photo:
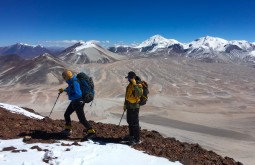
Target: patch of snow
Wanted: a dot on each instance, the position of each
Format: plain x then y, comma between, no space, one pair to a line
241,44
252,53
88,153
18,110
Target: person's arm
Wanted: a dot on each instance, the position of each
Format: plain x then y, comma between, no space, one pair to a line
77,89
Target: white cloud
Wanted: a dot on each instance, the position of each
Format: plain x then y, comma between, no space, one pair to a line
106,41
122,43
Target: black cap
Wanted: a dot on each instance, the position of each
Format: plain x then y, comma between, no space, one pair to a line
131,74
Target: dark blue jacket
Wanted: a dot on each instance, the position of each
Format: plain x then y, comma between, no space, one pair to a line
73,90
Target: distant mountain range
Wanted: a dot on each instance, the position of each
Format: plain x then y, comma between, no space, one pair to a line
205,48
24,50
46,68
209,49
157,43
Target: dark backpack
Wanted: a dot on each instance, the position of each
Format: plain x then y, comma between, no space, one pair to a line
87,87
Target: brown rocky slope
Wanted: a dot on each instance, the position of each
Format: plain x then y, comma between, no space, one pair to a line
47,131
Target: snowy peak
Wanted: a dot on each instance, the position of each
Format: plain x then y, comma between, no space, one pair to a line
158,41
219,44
209,42
88,52
84,45
26,45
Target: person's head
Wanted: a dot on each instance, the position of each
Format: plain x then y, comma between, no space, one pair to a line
131,75
67,75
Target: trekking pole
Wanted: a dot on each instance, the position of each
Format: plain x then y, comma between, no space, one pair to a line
54,104
122,117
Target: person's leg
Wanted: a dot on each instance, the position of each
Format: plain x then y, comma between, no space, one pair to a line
135,124
70,109
81,116
68,127
129,121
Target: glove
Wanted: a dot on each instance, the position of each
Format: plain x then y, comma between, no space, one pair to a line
124,108
61,90
133,81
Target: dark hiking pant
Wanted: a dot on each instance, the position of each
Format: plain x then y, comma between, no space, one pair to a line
76,106
133,123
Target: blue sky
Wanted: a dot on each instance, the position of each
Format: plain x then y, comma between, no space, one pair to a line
49,22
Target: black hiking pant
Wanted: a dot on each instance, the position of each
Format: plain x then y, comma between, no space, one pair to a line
133,123
77,106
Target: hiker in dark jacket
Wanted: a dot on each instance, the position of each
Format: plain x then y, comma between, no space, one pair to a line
131,104
75,95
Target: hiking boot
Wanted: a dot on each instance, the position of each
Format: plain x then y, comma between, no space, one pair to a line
66,132
133,141
91,134
91,131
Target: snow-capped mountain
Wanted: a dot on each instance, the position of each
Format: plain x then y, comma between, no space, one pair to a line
44,69
215,44
153,44
24,50
88,52
157,42
207,43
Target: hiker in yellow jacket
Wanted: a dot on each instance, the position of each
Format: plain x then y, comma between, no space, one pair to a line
132,98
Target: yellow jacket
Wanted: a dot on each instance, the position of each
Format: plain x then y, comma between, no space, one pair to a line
133,93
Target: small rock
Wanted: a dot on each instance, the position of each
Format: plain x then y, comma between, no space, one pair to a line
76,144
9,148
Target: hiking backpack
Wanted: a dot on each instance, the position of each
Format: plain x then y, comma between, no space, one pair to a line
144,97
87,87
